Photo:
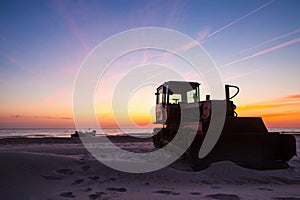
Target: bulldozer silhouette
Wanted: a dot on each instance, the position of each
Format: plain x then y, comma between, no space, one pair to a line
243,140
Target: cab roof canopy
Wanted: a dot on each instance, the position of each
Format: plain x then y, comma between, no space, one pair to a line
174,84
179,86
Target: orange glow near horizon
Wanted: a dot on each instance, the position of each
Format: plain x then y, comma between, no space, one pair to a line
137,111
141,120
134,120
279,112
20,121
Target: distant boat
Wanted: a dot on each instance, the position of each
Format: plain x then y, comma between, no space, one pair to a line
83,134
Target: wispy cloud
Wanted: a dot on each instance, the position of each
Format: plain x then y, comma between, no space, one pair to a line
41,117
64,12
243,74
292,97
284,44
176,13
205,33
272,40
18,63
50,117
16,116
3,78
276,103
281,111
189,45
201,35
241,18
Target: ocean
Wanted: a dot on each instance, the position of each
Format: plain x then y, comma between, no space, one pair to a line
66,132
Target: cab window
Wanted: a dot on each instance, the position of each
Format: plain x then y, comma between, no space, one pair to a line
175,98
160,96
192,96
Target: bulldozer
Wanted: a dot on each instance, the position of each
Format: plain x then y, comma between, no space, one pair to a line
243,140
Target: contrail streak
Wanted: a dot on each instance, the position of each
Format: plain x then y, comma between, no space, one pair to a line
239,19
243,74
263,52
272,40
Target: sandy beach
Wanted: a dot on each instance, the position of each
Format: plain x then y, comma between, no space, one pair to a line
61,168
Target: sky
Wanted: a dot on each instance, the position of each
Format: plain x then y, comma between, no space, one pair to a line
254,45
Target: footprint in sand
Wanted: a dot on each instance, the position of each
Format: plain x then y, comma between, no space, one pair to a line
51,177
85,168
266,189
94,178
96,195
224,196
79,162
78,181
145,183
65,171
195,193
67,195
112,179
112,189
167,192
87,189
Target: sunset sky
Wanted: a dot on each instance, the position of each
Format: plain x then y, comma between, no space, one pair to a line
254,44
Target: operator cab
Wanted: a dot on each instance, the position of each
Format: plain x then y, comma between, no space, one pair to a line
176,92
173,95
178,98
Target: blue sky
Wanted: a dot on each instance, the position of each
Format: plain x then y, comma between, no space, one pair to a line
255,44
